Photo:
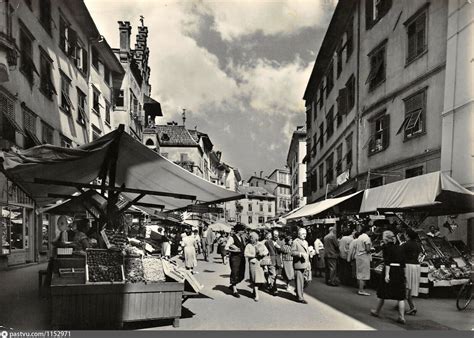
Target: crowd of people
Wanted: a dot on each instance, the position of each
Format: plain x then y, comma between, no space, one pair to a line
341,254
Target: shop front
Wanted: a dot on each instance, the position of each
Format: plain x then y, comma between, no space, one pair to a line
21,242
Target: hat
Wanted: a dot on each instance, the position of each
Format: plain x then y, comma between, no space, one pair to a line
239,227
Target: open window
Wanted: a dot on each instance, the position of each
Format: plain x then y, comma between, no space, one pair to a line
66,104
416,34
377,60
29,122
380,132
46,82
81,107
415,112
375,10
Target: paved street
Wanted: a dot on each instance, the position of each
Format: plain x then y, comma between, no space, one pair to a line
328,308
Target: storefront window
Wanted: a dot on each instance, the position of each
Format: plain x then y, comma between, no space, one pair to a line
5,230
45,233
18,233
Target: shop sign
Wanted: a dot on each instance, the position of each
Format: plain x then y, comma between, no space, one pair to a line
342,178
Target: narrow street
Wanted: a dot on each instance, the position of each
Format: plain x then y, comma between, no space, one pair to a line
328,308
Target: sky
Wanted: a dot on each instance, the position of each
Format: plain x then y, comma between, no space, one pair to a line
239,68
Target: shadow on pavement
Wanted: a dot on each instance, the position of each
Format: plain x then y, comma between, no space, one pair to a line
208,270
225,276
223,288
185,314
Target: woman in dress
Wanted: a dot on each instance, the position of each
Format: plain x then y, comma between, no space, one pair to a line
392,282
189,249
254,251
411,250
287,259
221,242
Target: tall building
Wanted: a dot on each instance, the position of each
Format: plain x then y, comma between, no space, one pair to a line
379,90
278,185
49,93
133,105
295,161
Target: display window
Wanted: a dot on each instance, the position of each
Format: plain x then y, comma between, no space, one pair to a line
5,230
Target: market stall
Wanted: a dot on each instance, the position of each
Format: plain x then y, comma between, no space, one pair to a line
416,198
120,280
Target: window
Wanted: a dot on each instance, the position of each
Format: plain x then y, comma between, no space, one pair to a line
377,66
330,123
95,101
415,112
81,58
119,98
250,205
269,207
29,123
330,168
250,219
321,96
81,107
313,148
107,112
416,36
9,20
96,132
340,50
46,85
349,39
339,159
375,10
261,219
350,93
65,104
348,151
314,180
27,66
321,135
330,78
261,207
376,182
321,175
341,105
63,35
412,172
308,117
7,119
45,15
106,75
65,142
95,59
380,134
48,133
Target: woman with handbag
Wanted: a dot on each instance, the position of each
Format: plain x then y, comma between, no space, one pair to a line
254,252
287,259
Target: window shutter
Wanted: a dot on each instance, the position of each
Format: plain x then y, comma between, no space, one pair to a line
386,131
369,13
85,61
72,43
420,33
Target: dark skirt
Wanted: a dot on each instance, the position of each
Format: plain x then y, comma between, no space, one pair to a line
237,268
395,289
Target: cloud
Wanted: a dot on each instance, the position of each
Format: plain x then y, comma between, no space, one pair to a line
269,17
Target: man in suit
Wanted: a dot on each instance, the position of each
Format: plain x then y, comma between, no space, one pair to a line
207,240
301,262
331,254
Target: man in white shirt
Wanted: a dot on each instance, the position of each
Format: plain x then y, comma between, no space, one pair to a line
363,257
344,266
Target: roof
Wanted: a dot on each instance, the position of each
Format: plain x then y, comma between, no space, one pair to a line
152,106
268,180
343,11
299,135
197,135
173,135
255,192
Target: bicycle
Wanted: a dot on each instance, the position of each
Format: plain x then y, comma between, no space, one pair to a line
464,296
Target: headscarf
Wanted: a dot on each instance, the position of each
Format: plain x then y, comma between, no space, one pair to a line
254,235
388,236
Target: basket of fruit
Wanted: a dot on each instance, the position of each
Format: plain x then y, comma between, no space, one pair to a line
104,267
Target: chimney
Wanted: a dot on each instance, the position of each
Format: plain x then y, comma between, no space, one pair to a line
125,32
184,117
261,173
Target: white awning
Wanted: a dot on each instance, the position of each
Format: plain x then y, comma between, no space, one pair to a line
137,167
314,209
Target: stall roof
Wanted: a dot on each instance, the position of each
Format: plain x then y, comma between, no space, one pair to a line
436,193
46,172
317,208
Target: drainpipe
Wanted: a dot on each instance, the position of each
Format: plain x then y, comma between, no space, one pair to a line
357,90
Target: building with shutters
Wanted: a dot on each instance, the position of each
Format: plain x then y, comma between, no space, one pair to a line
375,96
390,97
295,161
278,185
258,208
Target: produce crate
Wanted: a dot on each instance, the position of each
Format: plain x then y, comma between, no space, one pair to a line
109,306
106,265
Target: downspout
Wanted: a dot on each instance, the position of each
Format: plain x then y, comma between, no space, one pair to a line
358,91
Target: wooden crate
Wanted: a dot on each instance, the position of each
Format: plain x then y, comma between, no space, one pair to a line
109,306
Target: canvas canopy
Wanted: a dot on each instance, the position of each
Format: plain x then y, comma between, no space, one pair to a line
436,193
313,209
219,226
137,167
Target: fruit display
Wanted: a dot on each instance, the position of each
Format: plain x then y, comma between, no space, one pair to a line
116,238
134,270
132,251
104,266
153,269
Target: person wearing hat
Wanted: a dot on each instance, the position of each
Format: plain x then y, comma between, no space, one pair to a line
392,282
272,267
301,263
331,254
235,246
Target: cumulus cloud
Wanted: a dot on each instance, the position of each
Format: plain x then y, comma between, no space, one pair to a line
267,16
